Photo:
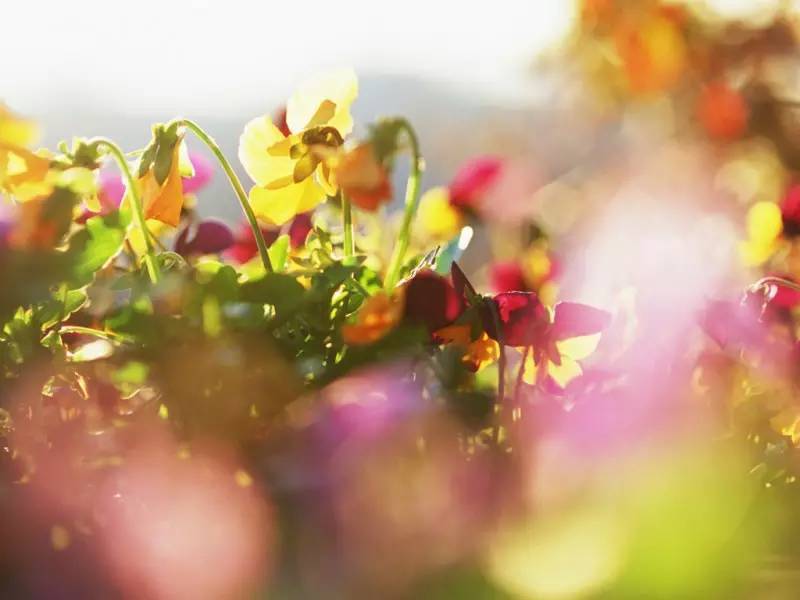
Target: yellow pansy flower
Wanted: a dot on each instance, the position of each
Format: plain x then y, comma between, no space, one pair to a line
764,227
291,172
22,172
438,216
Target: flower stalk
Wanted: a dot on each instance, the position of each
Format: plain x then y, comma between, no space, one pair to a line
411,202
237,188
347,222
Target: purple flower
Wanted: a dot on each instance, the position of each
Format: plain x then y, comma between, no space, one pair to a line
207,237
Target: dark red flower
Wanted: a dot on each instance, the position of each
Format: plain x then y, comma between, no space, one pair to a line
245,248
522,319
431,300
473,180
208,237
790,210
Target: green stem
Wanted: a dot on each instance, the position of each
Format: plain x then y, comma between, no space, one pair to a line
105,335
412,199
138,208
237,187
501,373
347,220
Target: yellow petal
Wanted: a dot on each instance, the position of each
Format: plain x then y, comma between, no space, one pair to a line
764,222
437,216
339,86
164,203
578,348
565,372
264,152
280,206
17,131
530,374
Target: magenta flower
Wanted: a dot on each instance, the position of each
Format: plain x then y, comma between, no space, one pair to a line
507,276
203,173
790,210
208,237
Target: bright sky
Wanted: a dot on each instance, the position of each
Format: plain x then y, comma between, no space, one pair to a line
213,56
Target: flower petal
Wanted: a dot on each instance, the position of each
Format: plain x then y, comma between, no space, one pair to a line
339,87
259,155
578,348
572,320
281,205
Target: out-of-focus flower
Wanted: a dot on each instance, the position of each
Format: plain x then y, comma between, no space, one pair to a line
787,423
22,172
478,353
244,246
291,172
437,215
790,210
377,317
208,237
473,180
722,111
362,178
653,53
507,276
763,228
203,173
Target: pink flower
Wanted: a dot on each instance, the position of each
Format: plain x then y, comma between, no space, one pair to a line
473,180
507,276
203,173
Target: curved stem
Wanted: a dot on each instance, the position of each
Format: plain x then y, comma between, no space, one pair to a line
412,198
138,209
237,188
347,222
766,282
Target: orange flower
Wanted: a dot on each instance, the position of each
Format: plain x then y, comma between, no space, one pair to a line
376,318
722,111
653,53
164,201
362,178
477,353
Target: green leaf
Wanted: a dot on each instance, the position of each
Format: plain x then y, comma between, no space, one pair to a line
59,308
282,291
95,245
279,252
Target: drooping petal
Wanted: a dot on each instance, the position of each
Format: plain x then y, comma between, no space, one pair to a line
572,320
362,178
339,87
280,205
164,203
263,152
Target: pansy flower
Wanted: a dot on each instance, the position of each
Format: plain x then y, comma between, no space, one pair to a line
160,176
23,173
722,111
473,181
362,177
558,339
207,237
244,245
790,210
292,172
764,225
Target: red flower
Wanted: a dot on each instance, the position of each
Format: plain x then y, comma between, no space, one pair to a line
473,180
208,237
431,300
245,248
507,276
790,210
